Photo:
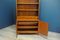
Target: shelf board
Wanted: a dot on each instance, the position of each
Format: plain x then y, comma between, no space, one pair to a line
27,17
27,27
27,23
27,32
27,9
27,3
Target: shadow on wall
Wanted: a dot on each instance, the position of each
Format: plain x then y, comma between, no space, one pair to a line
7,13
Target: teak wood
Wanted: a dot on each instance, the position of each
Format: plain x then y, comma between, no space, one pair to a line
27,18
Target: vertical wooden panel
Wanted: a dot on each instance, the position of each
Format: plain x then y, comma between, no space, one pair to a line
43,28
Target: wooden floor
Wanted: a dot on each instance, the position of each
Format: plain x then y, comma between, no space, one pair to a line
9,33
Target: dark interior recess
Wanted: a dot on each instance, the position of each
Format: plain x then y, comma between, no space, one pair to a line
27,25
30,23
28,33
29,29
27,21
27,6
27,13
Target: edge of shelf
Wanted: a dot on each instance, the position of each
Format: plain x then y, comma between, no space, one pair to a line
27,3
27,9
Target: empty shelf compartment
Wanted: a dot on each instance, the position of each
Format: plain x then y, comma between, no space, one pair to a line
27,13
27,27
27,32
22,6
27,23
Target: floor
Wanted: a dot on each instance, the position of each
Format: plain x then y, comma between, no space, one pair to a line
9,33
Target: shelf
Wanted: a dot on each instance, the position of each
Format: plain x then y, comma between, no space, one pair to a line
27,13
27,32
27,23
27,27
27,9
27,17
27,3
27,6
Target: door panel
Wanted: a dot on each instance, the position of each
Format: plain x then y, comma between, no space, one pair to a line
43,28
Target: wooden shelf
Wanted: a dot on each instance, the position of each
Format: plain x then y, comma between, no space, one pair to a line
27,32
27,17
27,13
27,9
27,23
27,27
27,3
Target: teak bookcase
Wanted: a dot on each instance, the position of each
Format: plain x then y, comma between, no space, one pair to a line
27,18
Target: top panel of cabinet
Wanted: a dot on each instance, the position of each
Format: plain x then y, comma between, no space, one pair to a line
27,1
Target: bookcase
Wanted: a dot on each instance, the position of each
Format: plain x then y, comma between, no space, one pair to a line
27,16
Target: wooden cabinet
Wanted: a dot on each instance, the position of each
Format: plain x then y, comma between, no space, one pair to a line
27,17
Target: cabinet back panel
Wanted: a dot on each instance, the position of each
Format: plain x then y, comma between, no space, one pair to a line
29,29
27,23
27,6
27,13
27,1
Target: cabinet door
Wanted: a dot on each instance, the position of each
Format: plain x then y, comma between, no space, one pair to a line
43,28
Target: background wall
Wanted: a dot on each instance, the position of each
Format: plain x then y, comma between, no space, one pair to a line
50,12
50,9
7,13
